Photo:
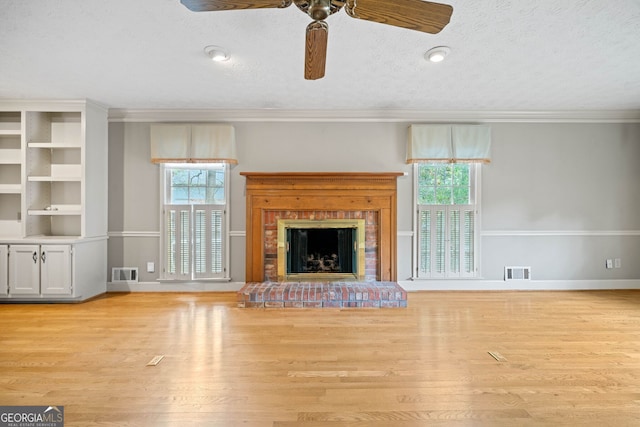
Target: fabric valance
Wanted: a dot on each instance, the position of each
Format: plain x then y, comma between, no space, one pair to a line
449,143
193,143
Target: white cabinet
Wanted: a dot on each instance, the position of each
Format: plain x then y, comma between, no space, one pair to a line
24,270
55,269
53,195
4,269
40,270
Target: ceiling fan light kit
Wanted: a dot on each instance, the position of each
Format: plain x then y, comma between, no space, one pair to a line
216,53
437,54
418,15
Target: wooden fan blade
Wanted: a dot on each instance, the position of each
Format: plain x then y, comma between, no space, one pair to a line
213,5
316,50
411,14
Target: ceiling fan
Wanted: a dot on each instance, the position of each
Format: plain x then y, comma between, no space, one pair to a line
416,15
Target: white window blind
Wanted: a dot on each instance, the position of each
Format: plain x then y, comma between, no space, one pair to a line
178,241
446,242
208,251
194,242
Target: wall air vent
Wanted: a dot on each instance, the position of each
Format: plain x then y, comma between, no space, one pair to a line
517,273
124,275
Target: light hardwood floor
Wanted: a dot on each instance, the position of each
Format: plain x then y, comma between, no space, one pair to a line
572,359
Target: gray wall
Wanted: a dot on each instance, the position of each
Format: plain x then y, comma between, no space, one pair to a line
559,197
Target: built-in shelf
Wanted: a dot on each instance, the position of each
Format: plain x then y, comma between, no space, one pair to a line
53,178
10,156
10,189
10,132
10,174
10,123
50,145
52,212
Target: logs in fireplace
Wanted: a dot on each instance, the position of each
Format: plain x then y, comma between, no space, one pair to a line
321,250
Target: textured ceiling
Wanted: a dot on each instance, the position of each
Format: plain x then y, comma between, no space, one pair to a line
542,55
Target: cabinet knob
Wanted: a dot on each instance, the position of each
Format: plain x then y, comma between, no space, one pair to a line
35,257
43,257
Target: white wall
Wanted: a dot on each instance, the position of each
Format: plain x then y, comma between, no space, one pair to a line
559,197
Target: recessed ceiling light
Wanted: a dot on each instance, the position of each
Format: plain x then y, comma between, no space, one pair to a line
437,54
216,53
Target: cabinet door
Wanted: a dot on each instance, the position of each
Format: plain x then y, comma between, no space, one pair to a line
4,269
55,268
24,269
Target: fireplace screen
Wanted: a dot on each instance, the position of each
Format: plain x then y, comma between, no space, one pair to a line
331,249
321,250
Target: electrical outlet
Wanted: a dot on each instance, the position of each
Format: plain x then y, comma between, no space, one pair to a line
151,267
609,263
617,263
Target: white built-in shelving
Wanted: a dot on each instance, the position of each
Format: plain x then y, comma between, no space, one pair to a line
10,172
53,189
54,160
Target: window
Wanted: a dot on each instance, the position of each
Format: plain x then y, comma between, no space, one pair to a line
446,224
194,237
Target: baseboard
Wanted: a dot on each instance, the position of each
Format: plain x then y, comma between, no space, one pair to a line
517,285
408,285
175,287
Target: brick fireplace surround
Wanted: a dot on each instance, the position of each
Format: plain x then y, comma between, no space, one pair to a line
318,196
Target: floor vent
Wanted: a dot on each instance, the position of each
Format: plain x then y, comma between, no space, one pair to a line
517,273
124,275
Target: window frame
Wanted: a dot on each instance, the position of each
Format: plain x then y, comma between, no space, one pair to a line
474,205
165,184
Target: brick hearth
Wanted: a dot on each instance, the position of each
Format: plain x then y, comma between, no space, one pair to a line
322,294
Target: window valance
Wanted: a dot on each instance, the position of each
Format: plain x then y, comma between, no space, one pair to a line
449,143
193,143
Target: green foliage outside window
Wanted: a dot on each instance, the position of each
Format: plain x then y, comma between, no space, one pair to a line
444,184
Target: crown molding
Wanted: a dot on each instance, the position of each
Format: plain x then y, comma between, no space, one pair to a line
398,116
51,104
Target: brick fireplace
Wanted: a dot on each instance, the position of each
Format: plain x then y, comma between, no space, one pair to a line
318,196
363,201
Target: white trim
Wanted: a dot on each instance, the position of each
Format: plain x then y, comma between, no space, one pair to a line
408,285
377,116
203,286
534,233
154,234
520,285
51,104
236,233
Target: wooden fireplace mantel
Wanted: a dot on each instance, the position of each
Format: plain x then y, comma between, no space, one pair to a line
321,191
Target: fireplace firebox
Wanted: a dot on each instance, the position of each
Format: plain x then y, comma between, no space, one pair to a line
321,249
